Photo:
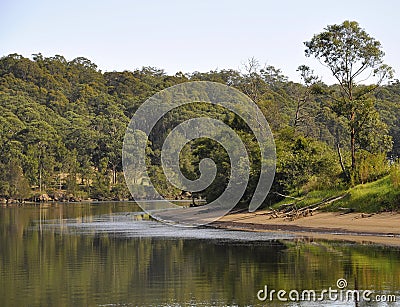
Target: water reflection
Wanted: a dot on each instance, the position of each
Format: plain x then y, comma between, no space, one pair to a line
91,255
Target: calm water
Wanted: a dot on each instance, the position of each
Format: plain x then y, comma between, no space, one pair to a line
109,255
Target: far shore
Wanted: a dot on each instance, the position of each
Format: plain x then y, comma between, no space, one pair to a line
382,228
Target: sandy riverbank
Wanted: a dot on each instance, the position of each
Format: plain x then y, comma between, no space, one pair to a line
383,228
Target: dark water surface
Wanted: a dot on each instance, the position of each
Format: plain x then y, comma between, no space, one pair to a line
109,254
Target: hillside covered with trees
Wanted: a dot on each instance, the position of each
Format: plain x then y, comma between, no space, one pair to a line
63,122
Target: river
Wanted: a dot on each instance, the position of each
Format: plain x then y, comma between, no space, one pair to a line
110,254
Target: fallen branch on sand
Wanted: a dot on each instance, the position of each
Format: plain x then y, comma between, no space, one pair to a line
287,196
291,212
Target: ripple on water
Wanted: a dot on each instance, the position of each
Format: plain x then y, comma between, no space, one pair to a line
127,225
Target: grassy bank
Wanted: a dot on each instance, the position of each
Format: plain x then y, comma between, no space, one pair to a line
377,196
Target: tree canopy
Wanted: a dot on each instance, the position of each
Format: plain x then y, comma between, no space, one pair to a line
63,122
353,56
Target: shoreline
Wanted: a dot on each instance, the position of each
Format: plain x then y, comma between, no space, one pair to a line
382,228
377,228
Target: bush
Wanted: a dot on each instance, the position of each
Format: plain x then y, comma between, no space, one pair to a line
120,191
395,175
304,163
370,167
323,182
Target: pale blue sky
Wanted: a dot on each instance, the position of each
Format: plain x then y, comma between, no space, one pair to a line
188,35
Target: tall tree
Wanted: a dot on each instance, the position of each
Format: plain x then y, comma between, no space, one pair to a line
302,98
352,56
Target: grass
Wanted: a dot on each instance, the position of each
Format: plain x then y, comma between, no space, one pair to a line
310,198
377,196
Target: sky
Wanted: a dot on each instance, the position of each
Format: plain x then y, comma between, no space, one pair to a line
188,36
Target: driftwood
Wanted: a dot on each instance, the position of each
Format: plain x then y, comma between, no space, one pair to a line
346,210
364,215
292,212
287,196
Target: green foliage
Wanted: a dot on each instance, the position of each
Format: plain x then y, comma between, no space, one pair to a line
376,196
370,167
314,196
348,51
13,184
101,183
304,163
206,148
63,124
120,190
395,175
352,56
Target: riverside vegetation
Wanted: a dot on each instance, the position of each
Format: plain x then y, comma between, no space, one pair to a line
62,126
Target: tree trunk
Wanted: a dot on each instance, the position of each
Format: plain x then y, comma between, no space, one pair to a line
40,178
353,142
114,175
297,115
341,160
353,150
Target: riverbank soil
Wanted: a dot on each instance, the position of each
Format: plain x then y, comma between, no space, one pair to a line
383,228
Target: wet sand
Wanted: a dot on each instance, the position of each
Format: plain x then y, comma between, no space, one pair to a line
383,228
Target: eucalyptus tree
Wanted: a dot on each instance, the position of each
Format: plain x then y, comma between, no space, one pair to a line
353,57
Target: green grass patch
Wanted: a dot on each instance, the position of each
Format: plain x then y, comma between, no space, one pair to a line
310,198
377,196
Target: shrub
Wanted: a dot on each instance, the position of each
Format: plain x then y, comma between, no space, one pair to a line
395,175
370,167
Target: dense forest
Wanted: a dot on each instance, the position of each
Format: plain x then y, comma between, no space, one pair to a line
63,124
